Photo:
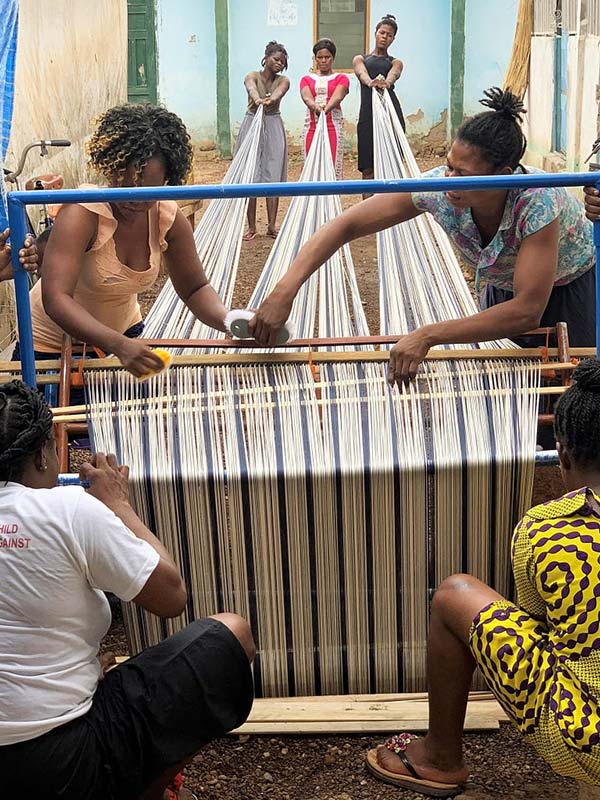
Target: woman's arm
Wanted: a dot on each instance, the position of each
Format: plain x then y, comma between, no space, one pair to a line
375,214
309,100
278,92
73,234
360,70
535,272
336,98
187,274
394,73
252,89
164,592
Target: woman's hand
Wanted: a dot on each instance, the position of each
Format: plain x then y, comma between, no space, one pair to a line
270,318
108,481
28,256
405,357
592,203
137,358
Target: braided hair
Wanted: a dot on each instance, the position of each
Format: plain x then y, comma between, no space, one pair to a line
497,133
577,415
325,44
388,19
272,48
25,427
133,134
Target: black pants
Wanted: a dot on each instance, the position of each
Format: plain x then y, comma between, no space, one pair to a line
574,303
148,715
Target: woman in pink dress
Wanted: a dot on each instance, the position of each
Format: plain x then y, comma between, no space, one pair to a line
322,93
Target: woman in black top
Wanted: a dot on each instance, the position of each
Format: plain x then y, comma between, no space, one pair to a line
379,70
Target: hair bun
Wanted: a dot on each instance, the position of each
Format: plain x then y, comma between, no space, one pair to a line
389,16
587,375
504,102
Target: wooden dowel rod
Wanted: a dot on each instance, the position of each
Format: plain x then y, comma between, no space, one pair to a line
266,358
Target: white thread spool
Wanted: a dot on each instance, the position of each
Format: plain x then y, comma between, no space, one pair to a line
237,321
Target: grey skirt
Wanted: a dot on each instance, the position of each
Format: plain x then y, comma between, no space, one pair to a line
271,163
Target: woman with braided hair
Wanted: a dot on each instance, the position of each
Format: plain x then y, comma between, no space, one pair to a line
66,731
539,655
531,247
101,255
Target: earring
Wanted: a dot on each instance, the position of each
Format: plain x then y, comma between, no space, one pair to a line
44,467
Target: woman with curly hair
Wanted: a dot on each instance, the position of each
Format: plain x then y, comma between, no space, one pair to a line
267,88
101,255
69,728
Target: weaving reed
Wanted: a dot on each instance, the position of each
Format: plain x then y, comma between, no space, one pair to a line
325,508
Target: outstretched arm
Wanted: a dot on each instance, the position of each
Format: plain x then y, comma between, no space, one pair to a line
360,70
188,276
336,98
534,276
372,215
394,73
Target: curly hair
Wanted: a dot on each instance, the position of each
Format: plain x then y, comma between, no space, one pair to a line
497,133
577,415
132,134
25,427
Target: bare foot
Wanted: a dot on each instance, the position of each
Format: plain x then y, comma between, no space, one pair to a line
416,753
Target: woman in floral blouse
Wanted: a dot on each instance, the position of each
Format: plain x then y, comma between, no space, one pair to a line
532,247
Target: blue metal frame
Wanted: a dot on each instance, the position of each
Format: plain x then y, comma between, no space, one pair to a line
18,200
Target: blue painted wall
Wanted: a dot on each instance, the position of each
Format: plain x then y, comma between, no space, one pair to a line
187,62
489,34
423,45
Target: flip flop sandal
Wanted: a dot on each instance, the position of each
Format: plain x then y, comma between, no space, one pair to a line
272,234
247,237
237,321
411,781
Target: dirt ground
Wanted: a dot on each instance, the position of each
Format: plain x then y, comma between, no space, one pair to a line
332,767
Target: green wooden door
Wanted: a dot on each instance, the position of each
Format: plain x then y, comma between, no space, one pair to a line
141,52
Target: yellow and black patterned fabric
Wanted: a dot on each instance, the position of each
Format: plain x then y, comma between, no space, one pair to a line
541,657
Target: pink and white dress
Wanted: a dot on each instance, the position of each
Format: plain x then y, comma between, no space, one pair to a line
322,88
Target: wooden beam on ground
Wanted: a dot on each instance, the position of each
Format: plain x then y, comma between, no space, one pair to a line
360,714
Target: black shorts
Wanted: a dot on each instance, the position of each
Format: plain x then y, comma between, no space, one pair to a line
148,714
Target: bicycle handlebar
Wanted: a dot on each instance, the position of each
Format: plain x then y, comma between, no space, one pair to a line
43,144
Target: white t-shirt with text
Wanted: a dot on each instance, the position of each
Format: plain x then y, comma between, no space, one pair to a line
60,550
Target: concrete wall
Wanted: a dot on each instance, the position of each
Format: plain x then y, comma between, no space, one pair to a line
71,66
185,34
187,63
489,33
583,77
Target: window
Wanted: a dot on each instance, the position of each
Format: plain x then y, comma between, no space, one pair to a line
344,21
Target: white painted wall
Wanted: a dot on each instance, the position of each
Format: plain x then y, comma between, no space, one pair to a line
583,76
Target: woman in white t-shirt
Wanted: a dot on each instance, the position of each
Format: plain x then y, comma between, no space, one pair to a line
65,732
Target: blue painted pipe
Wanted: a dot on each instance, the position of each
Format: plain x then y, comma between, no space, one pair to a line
300,189
71,479
17,201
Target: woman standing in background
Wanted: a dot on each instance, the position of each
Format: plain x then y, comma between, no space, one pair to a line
322,93
377,70
267,88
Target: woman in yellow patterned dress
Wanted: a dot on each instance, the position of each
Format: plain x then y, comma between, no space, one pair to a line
541,655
